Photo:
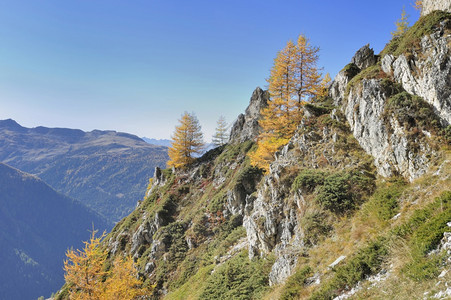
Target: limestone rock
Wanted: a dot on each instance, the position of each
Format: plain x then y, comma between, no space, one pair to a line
246,126
431,5
364,57
428,73
387,142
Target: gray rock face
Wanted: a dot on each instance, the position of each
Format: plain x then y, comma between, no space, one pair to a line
364,57
431,5
428,73
273,220
246,126
386,141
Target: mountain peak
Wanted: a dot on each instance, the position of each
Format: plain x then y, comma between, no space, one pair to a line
10,124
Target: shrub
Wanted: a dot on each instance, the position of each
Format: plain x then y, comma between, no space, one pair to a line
217,202
385,200
365,262
412,111
308,180
334,194
425,229
295,283
238,278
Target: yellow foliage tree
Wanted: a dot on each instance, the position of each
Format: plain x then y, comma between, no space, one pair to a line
294,80
84,270
401,25
87,278
186,141
123,284
418,5
323,88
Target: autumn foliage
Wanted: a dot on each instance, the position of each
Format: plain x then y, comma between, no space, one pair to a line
294,80
402,24
186,141
87,276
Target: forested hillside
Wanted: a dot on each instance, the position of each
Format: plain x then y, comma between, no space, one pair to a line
105,170
37,226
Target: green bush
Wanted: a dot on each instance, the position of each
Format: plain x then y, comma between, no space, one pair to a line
217,202
412,111
238,278
385,200
317,110
424,230
295,283
308,180
365,262
447,134
334,194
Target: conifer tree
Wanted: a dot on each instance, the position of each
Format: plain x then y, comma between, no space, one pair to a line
186,141
294,80
418,5
401,25
84,270
221,136
88,279
123,283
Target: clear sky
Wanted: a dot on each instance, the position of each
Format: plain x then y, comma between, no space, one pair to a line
137,65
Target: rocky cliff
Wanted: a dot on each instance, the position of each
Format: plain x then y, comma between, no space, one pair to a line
431,5
357,204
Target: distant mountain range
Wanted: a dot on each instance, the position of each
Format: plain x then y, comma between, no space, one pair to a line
37,226
106,170
158,142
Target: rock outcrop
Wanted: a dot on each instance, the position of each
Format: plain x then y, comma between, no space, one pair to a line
427,73
364,57
274,220
246,126
431,5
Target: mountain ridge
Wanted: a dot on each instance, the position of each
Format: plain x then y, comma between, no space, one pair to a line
106,170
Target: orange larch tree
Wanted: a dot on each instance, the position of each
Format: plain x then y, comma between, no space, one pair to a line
186,141
294,80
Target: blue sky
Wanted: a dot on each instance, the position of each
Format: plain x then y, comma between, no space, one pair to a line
137,65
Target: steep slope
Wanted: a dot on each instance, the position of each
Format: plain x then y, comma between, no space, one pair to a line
37,226
357,204
105,170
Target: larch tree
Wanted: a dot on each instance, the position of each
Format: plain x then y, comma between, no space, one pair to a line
294,80
123,282
87,278
401,25
418,5
186,141
221,135
84,270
